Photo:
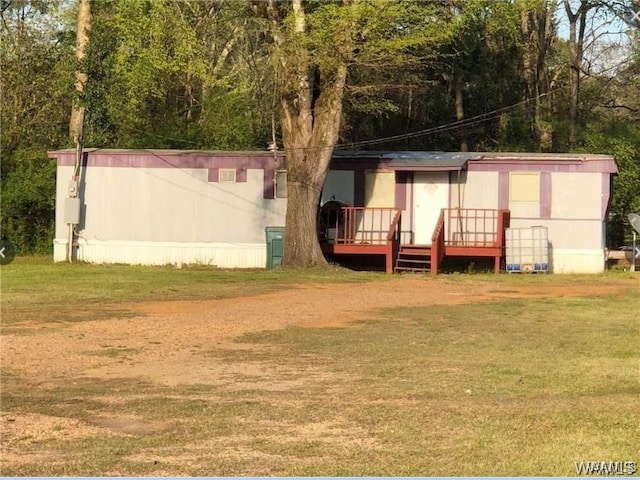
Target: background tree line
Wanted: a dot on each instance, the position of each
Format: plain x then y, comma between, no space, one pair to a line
509,75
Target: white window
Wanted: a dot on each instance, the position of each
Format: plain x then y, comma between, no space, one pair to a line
525,187
281,184
227,175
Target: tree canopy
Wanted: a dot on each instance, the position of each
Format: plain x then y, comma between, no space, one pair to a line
312,75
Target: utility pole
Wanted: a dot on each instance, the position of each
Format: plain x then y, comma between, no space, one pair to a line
76,123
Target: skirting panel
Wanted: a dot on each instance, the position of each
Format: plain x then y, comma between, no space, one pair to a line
222,255
578,261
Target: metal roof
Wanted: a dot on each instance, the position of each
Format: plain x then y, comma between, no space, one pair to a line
167,152
452,161
414,161
430,161
399,160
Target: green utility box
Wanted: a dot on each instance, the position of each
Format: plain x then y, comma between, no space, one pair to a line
275,246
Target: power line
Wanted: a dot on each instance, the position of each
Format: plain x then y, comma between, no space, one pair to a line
450,126
483,117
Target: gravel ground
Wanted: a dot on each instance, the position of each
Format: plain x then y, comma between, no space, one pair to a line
163,343
169,343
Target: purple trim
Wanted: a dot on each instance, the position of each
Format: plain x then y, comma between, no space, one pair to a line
253,160
606,194
214,175
269,184
411,181
358,188
426,169
457,179
545,195
152,159
213,162
401,190
503,190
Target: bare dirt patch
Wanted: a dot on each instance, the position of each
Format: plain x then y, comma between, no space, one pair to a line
168,342
20,432
174,343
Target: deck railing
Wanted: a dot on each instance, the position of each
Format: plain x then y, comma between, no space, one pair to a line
361,225
474,227
395,229
373,230
394,239
438,243
362,230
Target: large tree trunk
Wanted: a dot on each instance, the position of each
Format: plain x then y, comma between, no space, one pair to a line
527,64
577,27
462,131
536,27
311,97
82,41
309,136
301,242
546,35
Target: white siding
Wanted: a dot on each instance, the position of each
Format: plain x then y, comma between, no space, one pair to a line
478,190
571,234
576,195
170,205
161,216
576,246
578,261
222,255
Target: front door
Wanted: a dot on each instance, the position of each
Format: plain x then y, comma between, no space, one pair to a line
430,194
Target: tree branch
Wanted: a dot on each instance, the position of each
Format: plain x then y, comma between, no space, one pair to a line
612,104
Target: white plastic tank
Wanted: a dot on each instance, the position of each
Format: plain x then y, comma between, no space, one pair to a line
527,249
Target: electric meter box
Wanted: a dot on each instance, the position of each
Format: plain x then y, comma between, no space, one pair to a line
72,210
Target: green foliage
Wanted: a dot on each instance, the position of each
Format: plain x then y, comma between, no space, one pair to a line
394,51
142,54
202,74
231,122
36,71
28,202
476,41
159,77
621,140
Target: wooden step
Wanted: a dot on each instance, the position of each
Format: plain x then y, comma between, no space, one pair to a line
415,248
412,270
415,253
414,258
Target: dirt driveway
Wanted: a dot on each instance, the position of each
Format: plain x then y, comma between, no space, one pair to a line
169,343
164,343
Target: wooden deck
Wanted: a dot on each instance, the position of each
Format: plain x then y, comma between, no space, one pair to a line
361,230
377,231
474,232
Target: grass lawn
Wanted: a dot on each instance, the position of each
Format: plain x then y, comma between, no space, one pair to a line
31,285
518,387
